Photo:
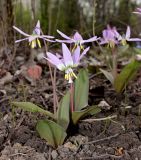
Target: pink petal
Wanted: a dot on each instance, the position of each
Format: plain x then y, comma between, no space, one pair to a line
77,37
21,40
47,36
128,32
20,31
37,29
55,61
76,55
67,55
90,40
133,39
64,41
63,35
84,52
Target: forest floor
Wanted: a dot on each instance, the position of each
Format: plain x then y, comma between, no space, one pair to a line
110,139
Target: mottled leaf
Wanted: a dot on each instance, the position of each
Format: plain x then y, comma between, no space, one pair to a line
127,73
108,75
53,133
81,114
81,90
63,113
31,107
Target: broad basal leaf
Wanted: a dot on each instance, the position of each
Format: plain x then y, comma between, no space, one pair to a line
51,132
81,90
128,72
108,75
81,114
30,107
63,113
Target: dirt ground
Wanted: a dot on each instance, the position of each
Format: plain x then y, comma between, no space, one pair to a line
110,139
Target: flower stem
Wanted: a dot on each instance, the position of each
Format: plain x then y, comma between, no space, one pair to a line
114,68
72,97
53,80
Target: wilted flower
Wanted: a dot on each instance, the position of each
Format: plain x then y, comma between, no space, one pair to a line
68,61
76,39
34,37
138,11
109,36
126,38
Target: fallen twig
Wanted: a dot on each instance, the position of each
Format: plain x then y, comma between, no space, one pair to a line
103,156
99,119
103,139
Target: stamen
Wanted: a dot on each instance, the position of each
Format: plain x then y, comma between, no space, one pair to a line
33,44
74,75
74,48
39,44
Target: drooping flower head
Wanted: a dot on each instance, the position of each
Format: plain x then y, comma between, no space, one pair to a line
76,39
67,62
34,37
109,37
125,38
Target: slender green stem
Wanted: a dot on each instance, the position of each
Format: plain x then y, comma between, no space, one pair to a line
114,60
72,97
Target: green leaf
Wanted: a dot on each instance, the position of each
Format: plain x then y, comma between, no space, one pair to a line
81,90
127,73
51,132
63,112
108,75
80,114
30,107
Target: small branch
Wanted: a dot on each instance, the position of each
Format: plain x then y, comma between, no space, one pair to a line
103,139
98,140
99,119
103,156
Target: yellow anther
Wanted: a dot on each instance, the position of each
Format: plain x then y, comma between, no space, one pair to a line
123,42
74,48
33,44
81,47
39,44
74,75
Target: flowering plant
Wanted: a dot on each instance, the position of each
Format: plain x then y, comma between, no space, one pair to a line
113,38
74,105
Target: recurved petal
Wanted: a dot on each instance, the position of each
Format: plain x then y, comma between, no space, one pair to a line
55,61
47,39
76,55
134,39
21,40
90,40
20,31
67,55
83,53
63,35
47,36
64,41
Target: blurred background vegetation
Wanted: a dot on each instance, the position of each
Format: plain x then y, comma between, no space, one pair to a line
87,16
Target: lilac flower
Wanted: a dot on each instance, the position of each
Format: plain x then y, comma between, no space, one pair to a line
34,37
77,39
109,36
138,11
67,62
126,38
